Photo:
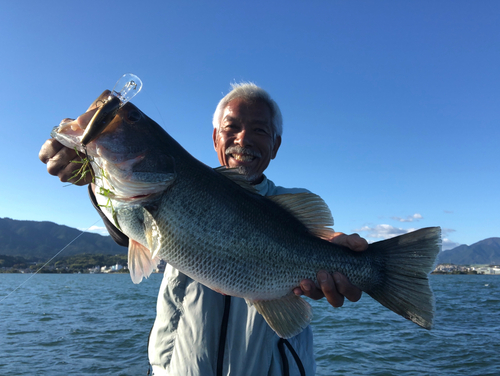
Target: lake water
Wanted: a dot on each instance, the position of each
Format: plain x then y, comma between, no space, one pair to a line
98,324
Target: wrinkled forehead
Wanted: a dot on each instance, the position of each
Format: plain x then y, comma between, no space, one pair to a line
254,111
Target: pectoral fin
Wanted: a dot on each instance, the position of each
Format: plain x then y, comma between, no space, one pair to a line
152,232
287,316
140,262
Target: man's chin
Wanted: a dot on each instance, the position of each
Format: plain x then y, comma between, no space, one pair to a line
249,174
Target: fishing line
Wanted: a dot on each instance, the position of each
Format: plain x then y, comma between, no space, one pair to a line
157,109
53,257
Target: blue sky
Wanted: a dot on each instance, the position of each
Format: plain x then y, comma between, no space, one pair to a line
391,108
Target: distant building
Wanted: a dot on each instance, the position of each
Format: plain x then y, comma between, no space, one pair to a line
490,269
450,268
95,270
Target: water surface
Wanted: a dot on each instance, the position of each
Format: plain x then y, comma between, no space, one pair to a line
98,324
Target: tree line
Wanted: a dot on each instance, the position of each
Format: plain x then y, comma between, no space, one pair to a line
68,264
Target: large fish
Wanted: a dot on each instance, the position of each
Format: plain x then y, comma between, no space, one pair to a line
212,226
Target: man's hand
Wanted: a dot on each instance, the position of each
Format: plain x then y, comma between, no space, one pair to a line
64,162
334,287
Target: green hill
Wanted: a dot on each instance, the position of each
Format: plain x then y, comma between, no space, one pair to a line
39,241
483,252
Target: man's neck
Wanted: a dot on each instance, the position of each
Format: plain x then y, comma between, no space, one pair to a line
259,180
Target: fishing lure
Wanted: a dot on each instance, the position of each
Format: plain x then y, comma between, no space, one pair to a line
129,86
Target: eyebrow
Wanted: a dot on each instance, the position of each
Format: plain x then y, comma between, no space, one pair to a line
228,118
231,118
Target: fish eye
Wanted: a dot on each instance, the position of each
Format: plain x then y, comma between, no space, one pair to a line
134,115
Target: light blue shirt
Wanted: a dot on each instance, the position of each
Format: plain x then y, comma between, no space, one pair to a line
185,336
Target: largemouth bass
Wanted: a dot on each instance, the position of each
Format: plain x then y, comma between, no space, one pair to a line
210,224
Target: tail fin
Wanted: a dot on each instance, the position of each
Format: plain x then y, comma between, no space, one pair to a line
407,260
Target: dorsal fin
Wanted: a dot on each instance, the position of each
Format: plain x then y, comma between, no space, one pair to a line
235,176
310,209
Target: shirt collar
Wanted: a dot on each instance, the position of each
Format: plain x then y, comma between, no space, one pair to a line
263,186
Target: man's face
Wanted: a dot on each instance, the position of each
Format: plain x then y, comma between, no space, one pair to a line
245,138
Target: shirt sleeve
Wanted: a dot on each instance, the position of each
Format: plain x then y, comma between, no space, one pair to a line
119,237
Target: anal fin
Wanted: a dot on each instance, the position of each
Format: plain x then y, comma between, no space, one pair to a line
140,262
287,316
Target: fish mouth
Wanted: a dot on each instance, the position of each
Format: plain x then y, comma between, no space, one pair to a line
68,133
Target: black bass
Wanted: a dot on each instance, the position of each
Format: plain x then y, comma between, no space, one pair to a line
209,224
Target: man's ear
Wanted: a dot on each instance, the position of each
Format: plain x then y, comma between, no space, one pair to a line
214,138
277,144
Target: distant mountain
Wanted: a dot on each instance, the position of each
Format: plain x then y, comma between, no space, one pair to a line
484,252
42,240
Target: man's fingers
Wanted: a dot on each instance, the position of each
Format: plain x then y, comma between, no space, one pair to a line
353,241
328,287
309,289
49,149
345,288
59,161
63,163
357,243
334,288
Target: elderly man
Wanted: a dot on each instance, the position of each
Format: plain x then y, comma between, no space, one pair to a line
198,331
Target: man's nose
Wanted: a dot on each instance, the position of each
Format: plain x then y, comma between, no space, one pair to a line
243,138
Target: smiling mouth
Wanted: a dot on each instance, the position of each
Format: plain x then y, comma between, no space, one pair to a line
242,157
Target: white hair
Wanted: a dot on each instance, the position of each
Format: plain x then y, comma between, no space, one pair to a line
248,91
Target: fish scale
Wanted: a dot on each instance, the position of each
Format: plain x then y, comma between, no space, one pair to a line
227,239
211,226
